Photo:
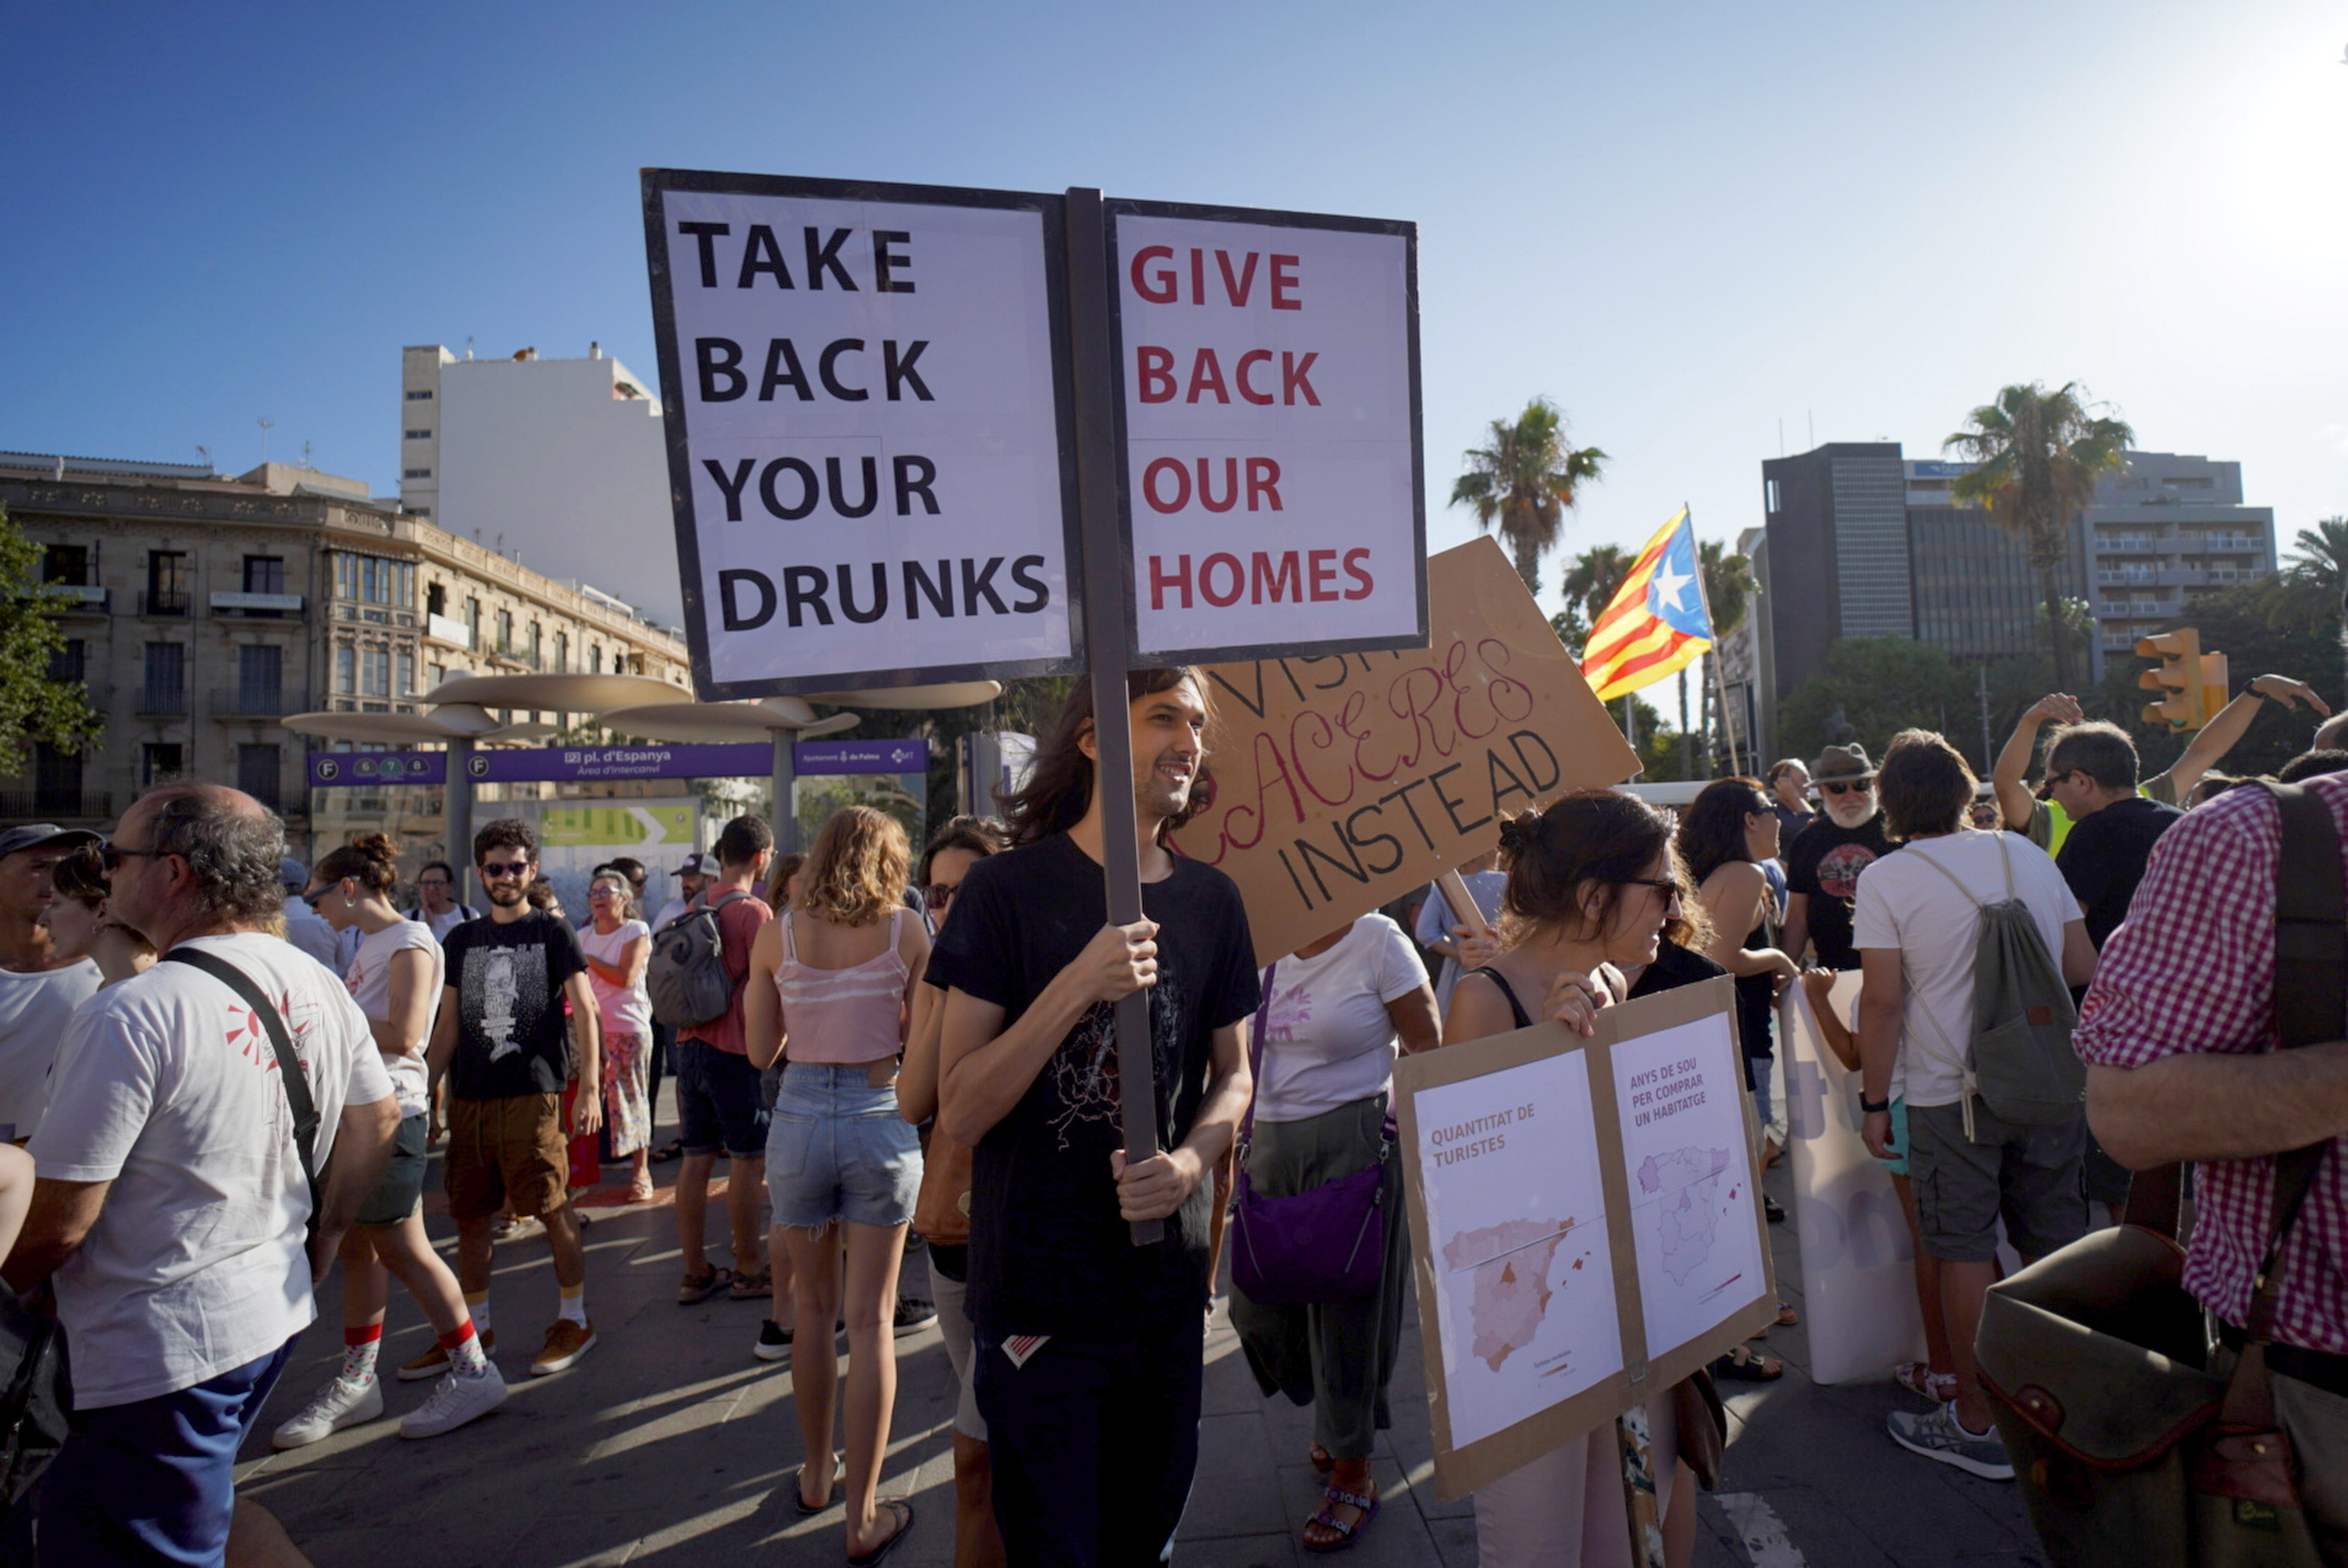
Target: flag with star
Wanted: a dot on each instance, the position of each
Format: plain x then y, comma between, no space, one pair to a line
1657,623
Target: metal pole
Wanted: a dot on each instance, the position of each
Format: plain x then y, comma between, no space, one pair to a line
787,820
456,814
1736,758
1108,649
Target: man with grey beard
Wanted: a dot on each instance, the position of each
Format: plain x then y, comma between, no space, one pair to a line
1823,863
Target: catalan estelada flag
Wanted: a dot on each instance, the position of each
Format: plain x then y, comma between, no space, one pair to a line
1657,621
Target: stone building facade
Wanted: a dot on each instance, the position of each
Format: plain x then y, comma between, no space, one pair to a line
200,611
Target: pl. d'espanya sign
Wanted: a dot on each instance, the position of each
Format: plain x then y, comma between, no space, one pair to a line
868,429
1269,371
1586,1226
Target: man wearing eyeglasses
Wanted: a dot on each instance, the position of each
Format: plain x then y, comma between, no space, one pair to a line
171,1201
435,903
502,1045
1824,861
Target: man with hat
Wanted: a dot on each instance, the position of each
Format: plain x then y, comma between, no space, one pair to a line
37,992
1823,864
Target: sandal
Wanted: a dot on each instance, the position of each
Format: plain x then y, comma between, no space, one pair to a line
1333,1498
1744,1364
700,1287
642,1193
879,1553
1917,1378
753,1286
671,1149
799,1490
1775,1210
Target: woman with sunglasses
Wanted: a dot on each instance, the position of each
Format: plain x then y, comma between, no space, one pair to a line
942,1211
1591,882
836,976
618,948
397,980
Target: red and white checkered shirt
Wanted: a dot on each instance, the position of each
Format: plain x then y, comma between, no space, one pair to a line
2193,969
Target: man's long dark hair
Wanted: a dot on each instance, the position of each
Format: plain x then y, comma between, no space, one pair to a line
1061,787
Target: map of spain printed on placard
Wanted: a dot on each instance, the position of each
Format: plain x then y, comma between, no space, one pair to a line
1679,1197
1503,1273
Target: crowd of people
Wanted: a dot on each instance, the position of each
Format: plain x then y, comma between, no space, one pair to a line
222,1072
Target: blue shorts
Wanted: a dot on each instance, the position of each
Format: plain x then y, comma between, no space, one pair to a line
839,1150
154,1480
717,1102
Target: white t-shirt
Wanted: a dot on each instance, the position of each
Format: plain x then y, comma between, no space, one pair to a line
670,911
33,1012
1436,919
166,1086
1906,904
624,1009
1328,1040
370,985
445,922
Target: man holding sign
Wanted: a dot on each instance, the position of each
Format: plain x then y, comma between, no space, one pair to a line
1088,1347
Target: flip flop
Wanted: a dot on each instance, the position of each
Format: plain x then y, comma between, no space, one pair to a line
798,1496
1347,1534
1745,1366
752,1286
879,1553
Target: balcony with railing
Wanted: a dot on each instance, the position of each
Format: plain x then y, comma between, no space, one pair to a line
257,606
55,805
166,602
162,701
518,655
76,598
253,702
446,629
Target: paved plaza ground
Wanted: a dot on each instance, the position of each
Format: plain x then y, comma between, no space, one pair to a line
669,1444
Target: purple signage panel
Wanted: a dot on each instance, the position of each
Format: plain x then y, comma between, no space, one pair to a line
861,756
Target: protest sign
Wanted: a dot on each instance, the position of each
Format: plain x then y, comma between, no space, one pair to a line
1585,1220
1858,1266
1341,781
1267,371
868,429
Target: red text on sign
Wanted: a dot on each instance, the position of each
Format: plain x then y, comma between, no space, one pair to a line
1153,378
1166,485
1221,579
1159,278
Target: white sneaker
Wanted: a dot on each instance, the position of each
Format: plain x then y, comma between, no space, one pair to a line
456,1401
337,1405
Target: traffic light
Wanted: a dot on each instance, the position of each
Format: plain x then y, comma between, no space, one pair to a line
2216,683
2180,680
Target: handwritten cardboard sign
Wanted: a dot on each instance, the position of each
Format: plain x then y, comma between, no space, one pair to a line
1341,781
1585,1219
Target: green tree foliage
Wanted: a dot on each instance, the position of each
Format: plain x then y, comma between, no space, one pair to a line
1728,587
1591,581
1870,690
33,706
2037,455
1525,482
2270,628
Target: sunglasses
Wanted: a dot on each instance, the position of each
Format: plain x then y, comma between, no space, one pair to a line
111,855
504,868
1663,885
1865,786
311,899
938,895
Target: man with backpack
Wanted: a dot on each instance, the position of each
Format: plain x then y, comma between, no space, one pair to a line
696,974
2180,1032
1955,925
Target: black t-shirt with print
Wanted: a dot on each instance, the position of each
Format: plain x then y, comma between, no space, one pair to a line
509,982
2104,857
1824,863
1048,1254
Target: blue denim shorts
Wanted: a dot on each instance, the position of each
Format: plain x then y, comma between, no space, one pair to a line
836,1148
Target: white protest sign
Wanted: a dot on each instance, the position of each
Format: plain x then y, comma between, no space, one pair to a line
867,429
1859,1266
1275,492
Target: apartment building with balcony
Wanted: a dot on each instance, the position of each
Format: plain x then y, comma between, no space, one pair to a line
200,610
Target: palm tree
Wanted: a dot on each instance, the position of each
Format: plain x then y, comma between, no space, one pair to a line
1525,481
1592,578
1728,587
2037,457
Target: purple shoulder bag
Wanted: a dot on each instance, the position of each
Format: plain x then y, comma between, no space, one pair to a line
1326,1244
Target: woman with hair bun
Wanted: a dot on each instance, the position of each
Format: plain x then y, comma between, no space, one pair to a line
1592,882
398,980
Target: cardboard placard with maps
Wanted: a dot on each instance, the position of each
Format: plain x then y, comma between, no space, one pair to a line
1585,1221
1341,781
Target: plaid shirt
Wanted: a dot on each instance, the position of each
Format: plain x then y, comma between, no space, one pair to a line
2193,969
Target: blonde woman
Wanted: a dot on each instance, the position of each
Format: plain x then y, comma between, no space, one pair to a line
837,973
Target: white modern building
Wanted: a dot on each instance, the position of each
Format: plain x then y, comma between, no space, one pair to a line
559,464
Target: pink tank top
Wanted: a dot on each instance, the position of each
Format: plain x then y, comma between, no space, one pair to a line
842,1017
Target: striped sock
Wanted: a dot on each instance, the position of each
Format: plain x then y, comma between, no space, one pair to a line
574,1302
464,1348
359,1347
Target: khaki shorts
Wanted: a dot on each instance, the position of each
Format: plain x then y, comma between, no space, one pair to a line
507,1153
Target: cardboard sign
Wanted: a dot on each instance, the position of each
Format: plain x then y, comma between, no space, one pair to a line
1586,1223
868,426
1268,374
1341,781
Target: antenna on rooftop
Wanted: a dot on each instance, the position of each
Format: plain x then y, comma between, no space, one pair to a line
206,454
266,426
468,345
305,456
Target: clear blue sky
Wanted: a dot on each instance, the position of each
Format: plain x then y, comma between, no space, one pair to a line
1688,223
